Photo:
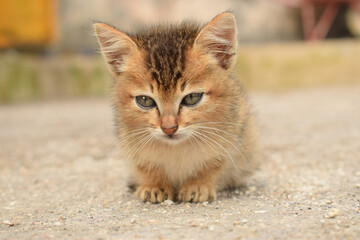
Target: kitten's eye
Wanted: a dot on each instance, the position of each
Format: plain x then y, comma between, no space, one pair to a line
145,102
192,99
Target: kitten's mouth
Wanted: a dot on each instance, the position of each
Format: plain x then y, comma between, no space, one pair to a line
172,137
176,138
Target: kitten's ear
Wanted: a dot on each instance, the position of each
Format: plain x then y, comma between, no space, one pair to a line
115,46
218,38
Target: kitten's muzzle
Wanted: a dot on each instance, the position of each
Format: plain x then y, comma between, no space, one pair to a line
169,124
169,131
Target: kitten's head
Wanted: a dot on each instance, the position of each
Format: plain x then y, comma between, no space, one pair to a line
170,78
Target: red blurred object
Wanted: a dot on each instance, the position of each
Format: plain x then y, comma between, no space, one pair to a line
315,30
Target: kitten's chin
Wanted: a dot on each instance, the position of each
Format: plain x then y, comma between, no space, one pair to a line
174,139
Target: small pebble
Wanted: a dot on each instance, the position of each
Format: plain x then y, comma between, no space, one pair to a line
168,202
260,211
252,189
205,204
7,222
193,224
333,213
211,228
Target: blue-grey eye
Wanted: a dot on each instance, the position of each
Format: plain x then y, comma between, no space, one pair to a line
192,99
145,102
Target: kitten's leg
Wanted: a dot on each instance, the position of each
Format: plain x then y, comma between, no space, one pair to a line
154,186
200,188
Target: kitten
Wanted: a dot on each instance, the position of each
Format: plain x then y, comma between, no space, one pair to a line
183,119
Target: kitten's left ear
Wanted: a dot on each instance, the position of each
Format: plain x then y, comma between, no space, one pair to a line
117,47
218,38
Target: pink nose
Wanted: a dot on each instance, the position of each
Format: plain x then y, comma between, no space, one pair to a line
169,131
169,124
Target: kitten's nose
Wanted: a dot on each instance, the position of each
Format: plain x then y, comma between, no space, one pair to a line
169,131
169,125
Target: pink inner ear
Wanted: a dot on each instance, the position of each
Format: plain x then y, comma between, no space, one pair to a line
115,46
219,38
223,52
114,57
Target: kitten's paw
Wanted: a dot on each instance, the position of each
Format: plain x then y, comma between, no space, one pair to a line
154,194
195,192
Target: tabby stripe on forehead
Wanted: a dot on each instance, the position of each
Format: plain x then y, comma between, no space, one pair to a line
155,73
166,70
156,62
181,60
183,85
166,48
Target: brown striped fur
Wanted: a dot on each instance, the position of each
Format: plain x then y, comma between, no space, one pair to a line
214,141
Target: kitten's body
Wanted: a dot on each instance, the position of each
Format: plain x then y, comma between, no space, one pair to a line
178,149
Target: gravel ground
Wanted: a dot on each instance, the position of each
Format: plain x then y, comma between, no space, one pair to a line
61,176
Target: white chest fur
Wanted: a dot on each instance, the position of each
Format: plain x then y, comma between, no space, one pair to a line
179,163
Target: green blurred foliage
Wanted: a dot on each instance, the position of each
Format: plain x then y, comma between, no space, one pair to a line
28,77
279,67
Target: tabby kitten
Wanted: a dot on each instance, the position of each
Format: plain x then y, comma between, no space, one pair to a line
183,119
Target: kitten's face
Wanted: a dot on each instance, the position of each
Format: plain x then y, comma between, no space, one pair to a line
172,114
171,79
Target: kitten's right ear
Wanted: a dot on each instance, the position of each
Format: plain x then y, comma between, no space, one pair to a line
116,47
218,38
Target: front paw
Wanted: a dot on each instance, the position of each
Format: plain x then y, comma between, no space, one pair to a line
197,192
154,194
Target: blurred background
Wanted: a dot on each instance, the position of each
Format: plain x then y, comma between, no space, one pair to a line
48,50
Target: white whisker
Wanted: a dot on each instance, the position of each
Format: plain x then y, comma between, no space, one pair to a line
144,144
237,139
196,138
239,150
221,148
138,143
